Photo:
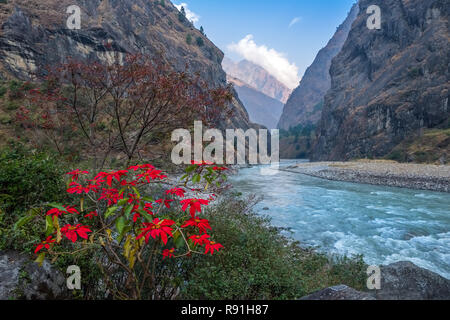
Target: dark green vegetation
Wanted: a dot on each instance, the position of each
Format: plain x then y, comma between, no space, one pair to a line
27,180
297,142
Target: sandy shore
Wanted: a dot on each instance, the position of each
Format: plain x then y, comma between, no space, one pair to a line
386,173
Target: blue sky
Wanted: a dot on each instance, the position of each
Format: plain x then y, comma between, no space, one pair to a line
313,22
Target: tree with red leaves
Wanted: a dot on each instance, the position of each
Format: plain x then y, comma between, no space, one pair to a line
119,109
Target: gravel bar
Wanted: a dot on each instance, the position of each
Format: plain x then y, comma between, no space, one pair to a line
385,173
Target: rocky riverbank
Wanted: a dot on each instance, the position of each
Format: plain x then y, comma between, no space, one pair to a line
386,173
399,281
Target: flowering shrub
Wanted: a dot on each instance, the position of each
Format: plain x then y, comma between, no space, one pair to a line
113,213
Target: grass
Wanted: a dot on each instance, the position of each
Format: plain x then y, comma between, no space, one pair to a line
433,145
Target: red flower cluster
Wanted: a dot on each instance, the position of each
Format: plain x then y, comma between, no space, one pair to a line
131,213
195,205
72,232
156,229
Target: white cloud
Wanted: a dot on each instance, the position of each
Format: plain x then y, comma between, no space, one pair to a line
273,61
295,21
190,15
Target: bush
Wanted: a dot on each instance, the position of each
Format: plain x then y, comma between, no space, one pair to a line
3,89
258,262
200,42
28,178
188,39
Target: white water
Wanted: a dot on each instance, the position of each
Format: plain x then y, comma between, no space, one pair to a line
384,224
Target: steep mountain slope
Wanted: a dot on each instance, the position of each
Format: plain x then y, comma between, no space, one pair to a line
304,104
33,34
388,85
262,109
258,78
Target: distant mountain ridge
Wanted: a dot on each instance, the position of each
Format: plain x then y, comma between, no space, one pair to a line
261,108
257,77
304,104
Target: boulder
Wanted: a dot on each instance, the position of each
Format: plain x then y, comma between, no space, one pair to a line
399,281
22,278
406,281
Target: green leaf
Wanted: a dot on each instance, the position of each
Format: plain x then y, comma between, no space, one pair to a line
57,206
128,211
136,191
22,221
196,178
123,202
40,259
49,225
120,225
31,214
110,211
190,169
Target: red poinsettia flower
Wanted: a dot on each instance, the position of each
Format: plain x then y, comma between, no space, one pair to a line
168,253
111,195
133,198
91,215
176,191
72,232
151,174
130,183
200,240
166,202
147,208
143,166
55,212
157,228
201,224
110,176
136,216
195,205
202,163
44,244
76,188
211,246
92,187
219,168
76,174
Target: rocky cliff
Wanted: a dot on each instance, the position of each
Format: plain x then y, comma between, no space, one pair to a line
305,103
258,78
388,84
33,34
261,108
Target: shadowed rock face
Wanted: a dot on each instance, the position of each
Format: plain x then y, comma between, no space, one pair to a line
387,84
22,278
33,35
303,106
